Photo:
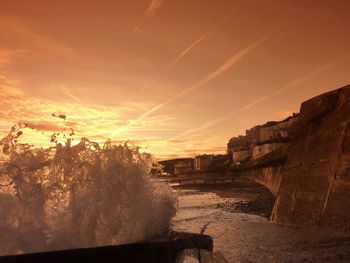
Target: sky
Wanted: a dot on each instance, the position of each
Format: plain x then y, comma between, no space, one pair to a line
178,78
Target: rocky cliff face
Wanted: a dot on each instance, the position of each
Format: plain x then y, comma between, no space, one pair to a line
315,182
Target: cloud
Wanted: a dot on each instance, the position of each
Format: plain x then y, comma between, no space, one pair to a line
178,140
228,64
155,123
87,119
214,149
8,86
190,139
69,94
6,55
129,141
187,50
38,39
136,29
46,126
153,7
288,86
18,107
95,122
178,58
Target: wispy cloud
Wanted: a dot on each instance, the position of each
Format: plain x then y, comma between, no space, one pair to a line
153,7
95,122
6,55
32,36
228,64
214,149
66,91
288,86
177,59
46,126
188,49
178,140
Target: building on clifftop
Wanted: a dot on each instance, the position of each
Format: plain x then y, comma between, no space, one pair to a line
260,140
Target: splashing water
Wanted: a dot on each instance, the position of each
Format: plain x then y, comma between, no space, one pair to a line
77,196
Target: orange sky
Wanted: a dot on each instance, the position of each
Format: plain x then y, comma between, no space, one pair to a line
177,77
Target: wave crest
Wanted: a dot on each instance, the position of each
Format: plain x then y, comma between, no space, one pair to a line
78,196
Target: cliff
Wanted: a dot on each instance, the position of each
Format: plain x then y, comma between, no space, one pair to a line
304,161
315,183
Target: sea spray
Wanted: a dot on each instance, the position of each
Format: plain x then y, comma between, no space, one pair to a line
82,195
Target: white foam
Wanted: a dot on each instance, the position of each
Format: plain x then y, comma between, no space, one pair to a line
78,196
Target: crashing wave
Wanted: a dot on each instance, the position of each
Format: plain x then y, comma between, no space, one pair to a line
82,195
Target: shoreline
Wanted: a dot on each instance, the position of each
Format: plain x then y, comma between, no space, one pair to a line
250,237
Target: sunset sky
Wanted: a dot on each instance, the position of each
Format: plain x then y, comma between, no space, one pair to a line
177,77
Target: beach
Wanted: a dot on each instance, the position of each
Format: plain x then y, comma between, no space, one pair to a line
239,226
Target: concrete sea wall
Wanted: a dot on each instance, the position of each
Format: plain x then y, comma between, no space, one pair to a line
270,177
266,170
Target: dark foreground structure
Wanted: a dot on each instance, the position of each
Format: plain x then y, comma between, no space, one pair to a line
162,251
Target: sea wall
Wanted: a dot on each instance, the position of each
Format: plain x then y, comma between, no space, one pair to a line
261,153
266,170
315,182
270,177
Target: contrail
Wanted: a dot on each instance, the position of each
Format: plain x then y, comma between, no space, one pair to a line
187,50
69,94
183,53
262,99
229,63
153,7
177,59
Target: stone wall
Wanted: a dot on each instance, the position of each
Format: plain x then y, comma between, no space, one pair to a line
266,170
315,183
270,177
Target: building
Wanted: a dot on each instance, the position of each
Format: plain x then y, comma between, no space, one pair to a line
260,140
177,166
202,162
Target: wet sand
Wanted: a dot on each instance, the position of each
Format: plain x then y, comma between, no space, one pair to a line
243,234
